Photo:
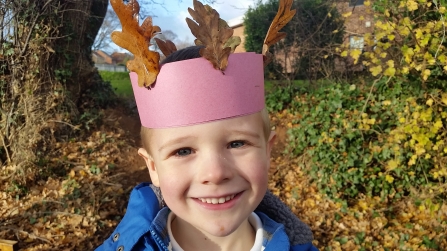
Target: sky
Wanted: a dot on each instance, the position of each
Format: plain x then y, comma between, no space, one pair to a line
171,15
175,12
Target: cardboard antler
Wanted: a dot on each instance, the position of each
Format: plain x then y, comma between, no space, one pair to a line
284,15
136,39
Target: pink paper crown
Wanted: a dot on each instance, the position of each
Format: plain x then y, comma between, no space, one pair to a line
191,92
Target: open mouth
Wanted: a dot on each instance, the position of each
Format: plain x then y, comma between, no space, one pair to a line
220,200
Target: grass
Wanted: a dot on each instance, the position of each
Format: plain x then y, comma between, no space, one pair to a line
120,82
123,88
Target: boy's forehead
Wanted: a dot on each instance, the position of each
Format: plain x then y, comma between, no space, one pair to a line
247,122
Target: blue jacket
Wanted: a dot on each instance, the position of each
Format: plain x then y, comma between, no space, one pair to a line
144,227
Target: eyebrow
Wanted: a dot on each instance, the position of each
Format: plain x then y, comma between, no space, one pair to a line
174,141
247,133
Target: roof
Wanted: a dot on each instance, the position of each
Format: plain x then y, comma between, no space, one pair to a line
236,22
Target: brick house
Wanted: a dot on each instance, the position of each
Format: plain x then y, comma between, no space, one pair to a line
359,23
115,62
238,30
101,57
121,58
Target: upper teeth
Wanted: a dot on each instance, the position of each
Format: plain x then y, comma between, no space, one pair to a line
216,200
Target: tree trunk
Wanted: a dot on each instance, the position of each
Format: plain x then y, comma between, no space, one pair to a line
45,66
84,24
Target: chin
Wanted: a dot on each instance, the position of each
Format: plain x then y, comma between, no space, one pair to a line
220,230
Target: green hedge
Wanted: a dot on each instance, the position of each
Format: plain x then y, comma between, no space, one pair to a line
380,141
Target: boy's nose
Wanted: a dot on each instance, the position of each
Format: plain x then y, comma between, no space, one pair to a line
215,169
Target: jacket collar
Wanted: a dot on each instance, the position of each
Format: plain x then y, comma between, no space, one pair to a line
143,217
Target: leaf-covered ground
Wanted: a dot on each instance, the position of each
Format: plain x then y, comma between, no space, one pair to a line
84,192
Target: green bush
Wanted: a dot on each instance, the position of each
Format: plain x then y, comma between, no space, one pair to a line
278,98
99,95
361,139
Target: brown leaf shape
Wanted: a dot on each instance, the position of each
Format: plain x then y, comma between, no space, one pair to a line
233,41
209,31
167,47
284,15
136,39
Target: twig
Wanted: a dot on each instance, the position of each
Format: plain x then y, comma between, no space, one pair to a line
63,122
32,236
25,45
443,35
116,175
5,148
53,201
369,95
112,184
8,119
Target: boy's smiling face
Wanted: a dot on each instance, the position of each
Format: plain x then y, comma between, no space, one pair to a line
212,175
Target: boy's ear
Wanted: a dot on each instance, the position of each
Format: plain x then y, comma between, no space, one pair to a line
150,166
270,142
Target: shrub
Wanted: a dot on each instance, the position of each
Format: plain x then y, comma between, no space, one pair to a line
279,96
372,140
409,40
99,95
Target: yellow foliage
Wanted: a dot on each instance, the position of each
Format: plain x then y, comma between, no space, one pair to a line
392,164
390,71
376,70
412,5
355,54
405,70
426,74
422,49
444,98
347,14
389,178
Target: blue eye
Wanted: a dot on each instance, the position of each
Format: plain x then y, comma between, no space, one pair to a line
183,152
236,144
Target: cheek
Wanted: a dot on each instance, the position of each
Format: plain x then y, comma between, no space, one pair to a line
258,171
172,185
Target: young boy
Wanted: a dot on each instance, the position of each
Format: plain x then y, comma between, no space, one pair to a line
207,144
